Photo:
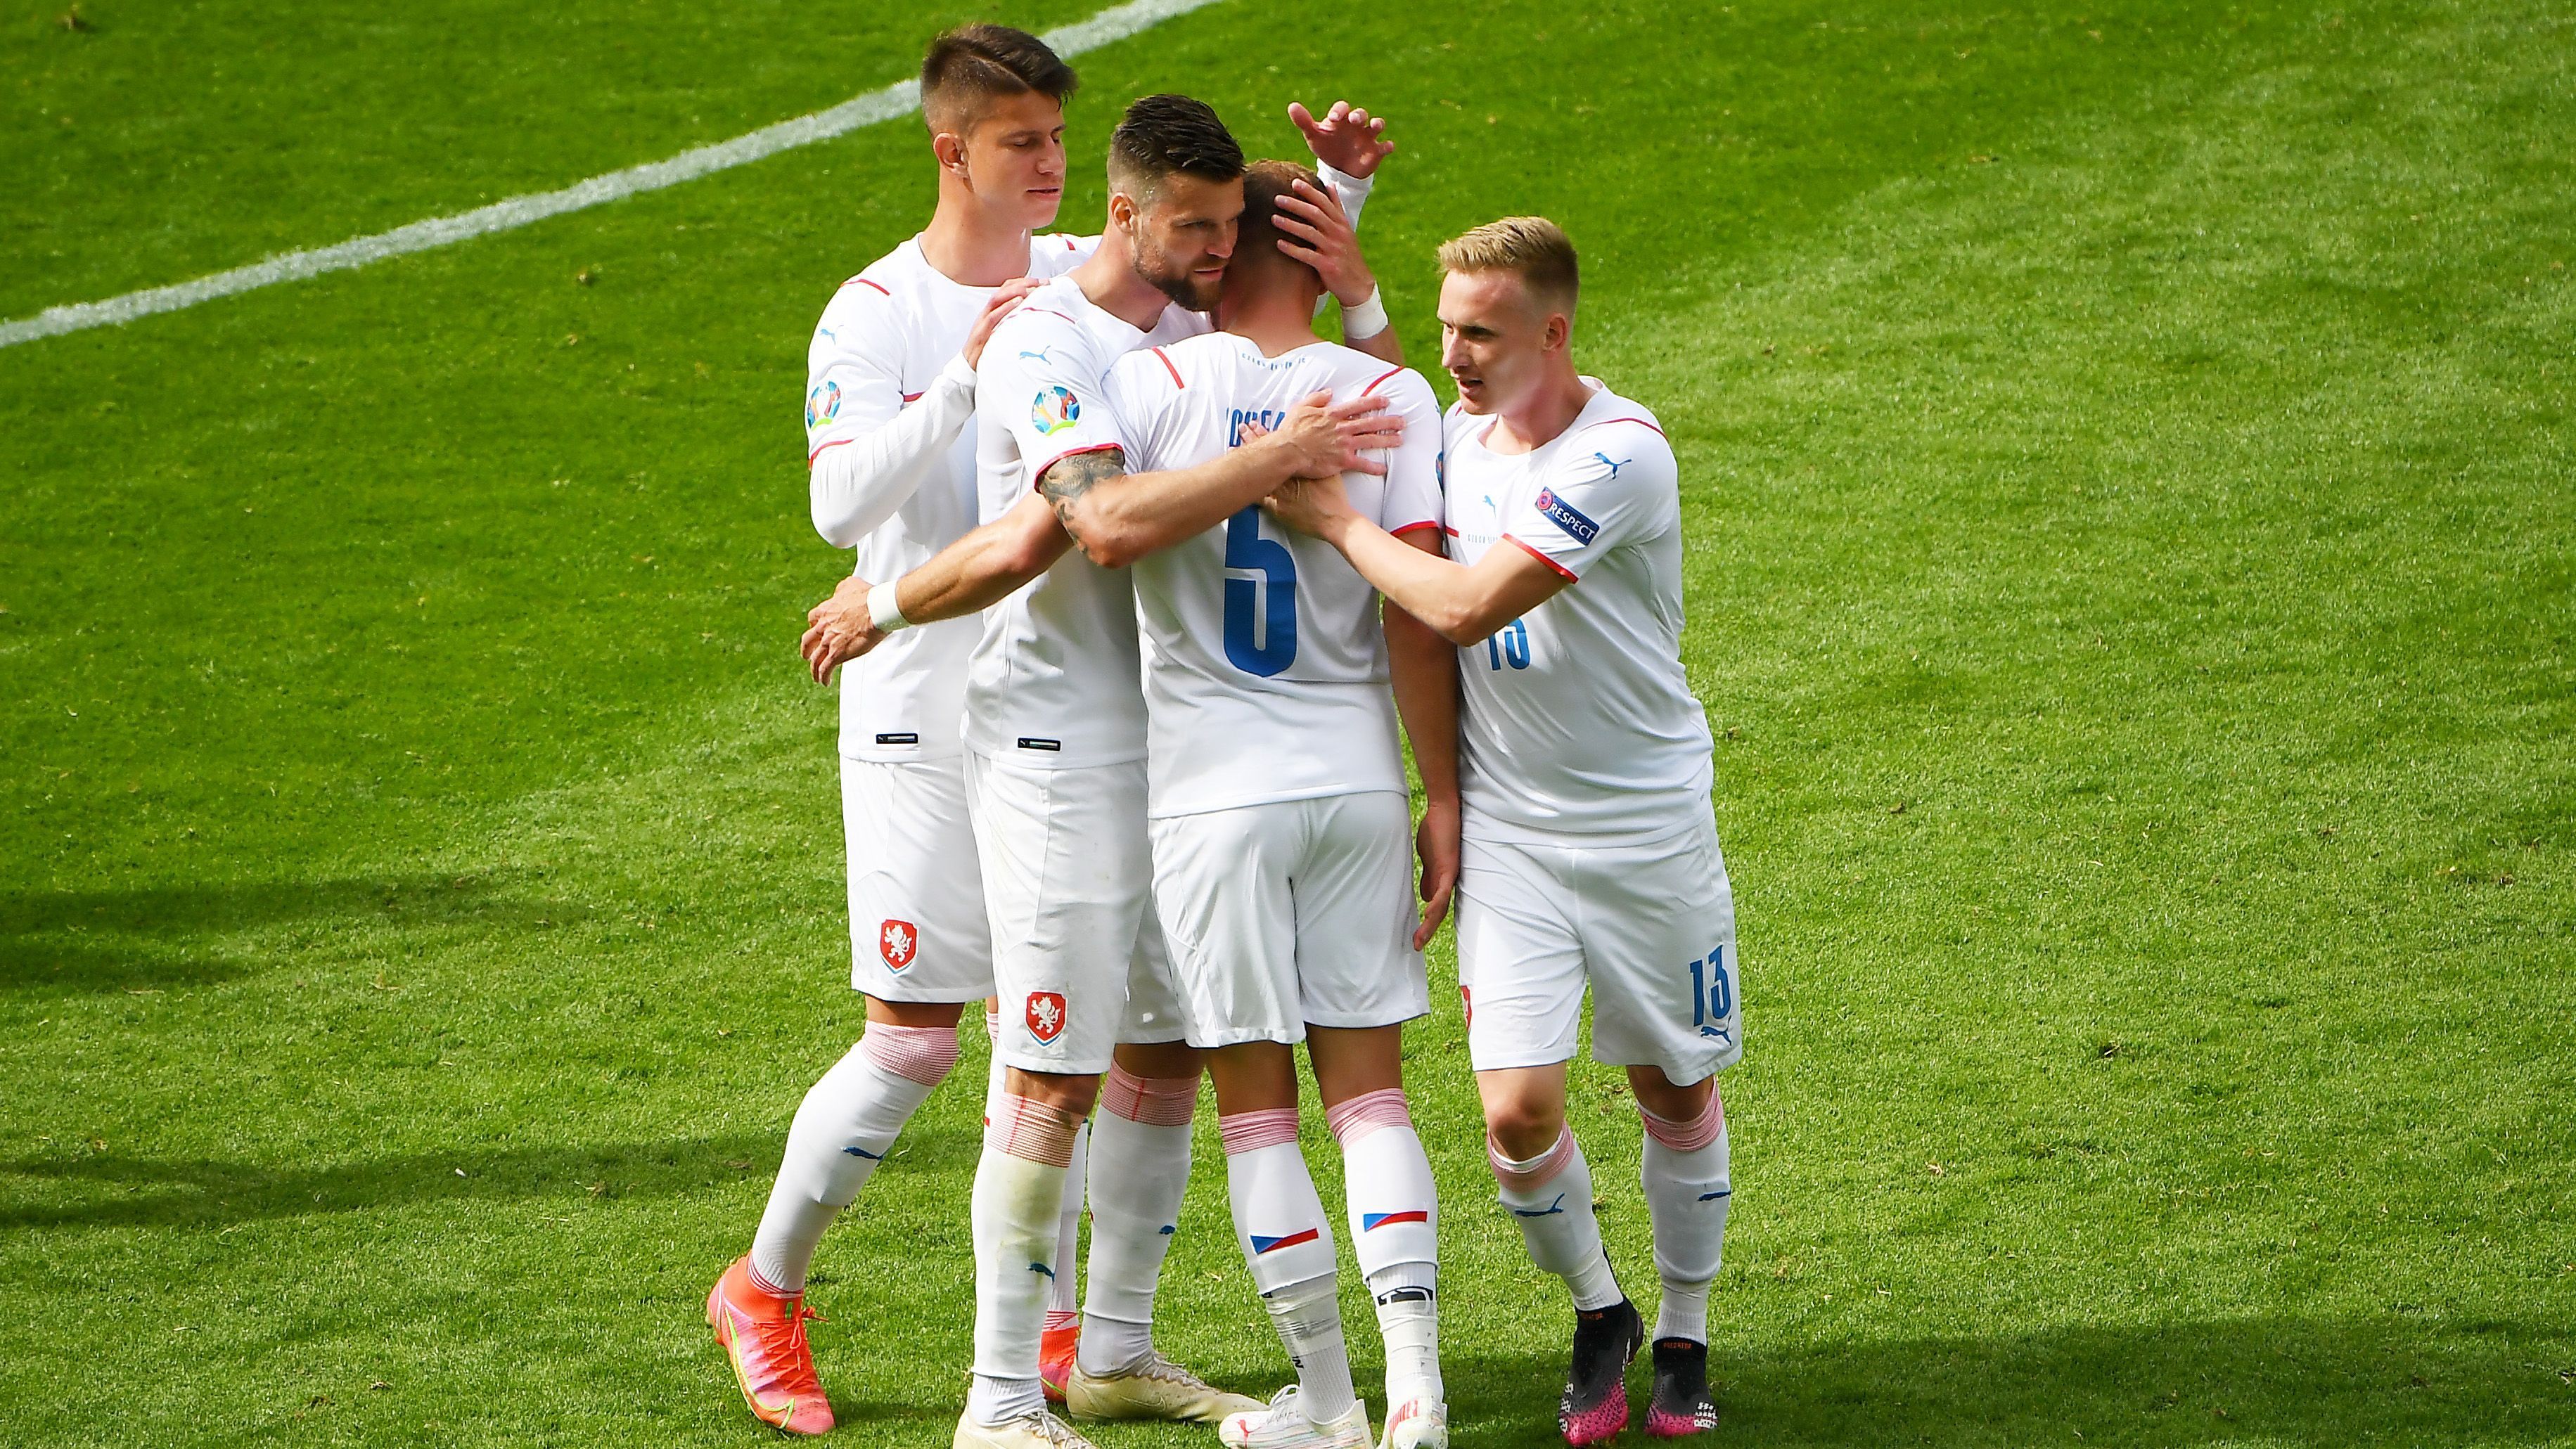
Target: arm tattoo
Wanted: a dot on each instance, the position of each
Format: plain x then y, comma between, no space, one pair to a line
1070,477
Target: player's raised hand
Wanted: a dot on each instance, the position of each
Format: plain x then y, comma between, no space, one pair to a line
1348,139
1005,297
1323,438
1435,844
839,629
1315,231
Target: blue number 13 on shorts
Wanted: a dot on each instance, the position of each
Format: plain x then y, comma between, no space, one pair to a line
1245,548
1712,994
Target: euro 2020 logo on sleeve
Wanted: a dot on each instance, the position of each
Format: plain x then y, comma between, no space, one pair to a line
1053,410
822,404
1046,1015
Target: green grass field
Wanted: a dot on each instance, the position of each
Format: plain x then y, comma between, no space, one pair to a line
2127,449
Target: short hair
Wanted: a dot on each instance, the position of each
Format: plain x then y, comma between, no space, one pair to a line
972,65
1264,182
1164,135
1533,247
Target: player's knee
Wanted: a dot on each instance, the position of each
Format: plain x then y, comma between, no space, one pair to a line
1161,1060
1656,1093
1065,1092
1523,1126
923,1054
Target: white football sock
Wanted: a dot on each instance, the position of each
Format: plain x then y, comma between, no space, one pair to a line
1394,1215
1140,1171
993,1067
1550,1196
845,1126
1019,1185
1689,1184
1062,1299
1288,1244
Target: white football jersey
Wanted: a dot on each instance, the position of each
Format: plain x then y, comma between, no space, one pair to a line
1577,717
882,343
1265,667
1053,679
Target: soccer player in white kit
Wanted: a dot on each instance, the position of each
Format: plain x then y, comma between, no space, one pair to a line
1279,819
1590,854
1054,718
890,389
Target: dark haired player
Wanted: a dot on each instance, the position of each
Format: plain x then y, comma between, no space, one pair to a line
1055,718
890,388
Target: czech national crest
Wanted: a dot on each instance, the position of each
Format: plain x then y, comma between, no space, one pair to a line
1046,1015
898,943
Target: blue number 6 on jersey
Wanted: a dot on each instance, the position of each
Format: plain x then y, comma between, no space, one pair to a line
1245,548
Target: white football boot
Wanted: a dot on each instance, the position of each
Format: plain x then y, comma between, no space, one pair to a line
1040,1430
1283,1425
1153,1387
1416,1424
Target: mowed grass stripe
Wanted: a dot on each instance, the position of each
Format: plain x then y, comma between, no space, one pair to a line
883,104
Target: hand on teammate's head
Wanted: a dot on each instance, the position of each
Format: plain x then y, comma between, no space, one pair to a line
1317,232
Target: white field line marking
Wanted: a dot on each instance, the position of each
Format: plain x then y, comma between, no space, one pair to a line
885,104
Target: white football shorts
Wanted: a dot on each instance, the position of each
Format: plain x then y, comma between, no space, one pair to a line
1290,914
917,927
1651,927
1078,958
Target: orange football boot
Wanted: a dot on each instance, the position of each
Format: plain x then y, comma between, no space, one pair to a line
763,1333
1055,1358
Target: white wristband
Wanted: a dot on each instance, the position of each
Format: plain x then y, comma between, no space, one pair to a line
1366,320
884,611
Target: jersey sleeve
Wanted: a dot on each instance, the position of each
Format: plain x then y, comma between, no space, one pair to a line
1351,191
1614,485
1045,387
1411,499
853,367
869,445
1145,388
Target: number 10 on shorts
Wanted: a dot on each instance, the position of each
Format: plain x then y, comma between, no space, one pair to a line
1712,994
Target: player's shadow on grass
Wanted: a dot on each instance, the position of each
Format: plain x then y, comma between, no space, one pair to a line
74,1187
2398,1378
159,938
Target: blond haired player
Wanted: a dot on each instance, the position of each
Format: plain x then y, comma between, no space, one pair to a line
1590,855
890,388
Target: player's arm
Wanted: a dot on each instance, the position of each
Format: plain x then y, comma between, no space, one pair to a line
1460,603
1116,517
1423,668
976,572
860,477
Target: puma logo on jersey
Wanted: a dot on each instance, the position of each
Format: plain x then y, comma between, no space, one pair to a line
1040,354
1613,467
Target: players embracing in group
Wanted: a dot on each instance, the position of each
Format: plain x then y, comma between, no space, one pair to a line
1153,801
